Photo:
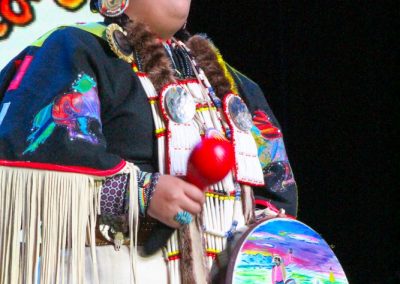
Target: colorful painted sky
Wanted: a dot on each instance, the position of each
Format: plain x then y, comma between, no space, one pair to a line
311,257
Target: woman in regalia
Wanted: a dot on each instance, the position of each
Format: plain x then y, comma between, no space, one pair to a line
97,122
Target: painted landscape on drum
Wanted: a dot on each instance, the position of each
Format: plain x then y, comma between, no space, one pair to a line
285,251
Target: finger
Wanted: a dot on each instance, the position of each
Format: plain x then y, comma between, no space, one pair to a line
194,193
189,205
169,219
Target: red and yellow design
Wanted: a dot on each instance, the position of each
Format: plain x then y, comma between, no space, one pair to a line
24,15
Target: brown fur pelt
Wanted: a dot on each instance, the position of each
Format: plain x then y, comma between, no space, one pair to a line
157,65
206,58
152,54
193,264
248,203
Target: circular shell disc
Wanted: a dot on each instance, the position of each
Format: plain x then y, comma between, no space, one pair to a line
179,103
240,114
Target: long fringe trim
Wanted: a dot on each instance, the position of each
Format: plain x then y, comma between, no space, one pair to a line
44,216
46,220
133,219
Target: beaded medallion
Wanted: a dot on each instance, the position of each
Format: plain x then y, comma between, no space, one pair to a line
118,43
112,8
248,168
180,105
240,114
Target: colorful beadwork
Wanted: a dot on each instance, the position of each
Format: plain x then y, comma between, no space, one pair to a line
271,152
147,183
118,42
267,128
268,138
112,8
73,111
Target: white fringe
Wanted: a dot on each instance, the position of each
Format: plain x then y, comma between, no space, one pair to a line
133,219
46,217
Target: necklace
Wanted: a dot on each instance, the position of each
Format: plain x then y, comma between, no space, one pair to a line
185,104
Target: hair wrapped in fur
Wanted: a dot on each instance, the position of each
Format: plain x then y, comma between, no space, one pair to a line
206,57
152,54
156,63
149,48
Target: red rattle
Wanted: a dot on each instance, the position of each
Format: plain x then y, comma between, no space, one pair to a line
210,161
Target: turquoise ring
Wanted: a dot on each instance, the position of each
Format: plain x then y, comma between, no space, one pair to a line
183,217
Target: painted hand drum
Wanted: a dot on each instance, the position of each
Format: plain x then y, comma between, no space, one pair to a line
284,251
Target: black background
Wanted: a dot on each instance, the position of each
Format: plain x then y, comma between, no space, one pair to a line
327,70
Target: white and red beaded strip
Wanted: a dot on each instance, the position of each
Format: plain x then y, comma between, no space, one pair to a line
247,164
219,212
221,209
159,124
181,139
171,251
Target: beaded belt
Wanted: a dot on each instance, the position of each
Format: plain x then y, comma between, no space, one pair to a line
145,228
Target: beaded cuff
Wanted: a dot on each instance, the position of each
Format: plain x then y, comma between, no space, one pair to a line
114,204
147,183
115,193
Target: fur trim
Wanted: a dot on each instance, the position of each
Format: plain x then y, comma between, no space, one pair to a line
224,67
207,59
193,264
153,55
157,65
248,203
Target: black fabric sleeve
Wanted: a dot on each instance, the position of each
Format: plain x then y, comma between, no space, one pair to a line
56,109
280,188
